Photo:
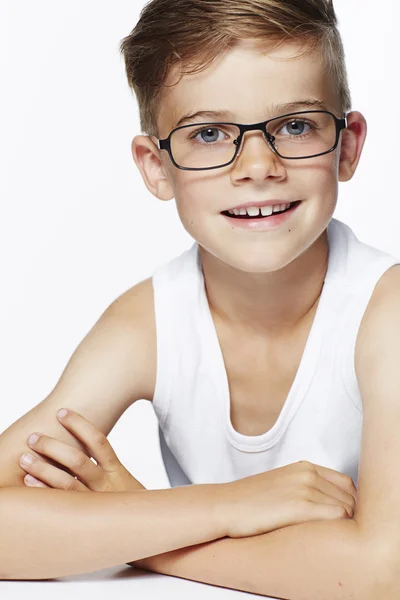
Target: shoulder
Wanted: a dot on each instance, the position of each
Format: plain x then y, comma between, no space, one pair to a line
136,307
384,303
386,290
135,300
389,282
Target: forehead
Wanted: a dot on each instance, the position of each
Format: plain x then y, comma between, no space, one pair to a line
249,80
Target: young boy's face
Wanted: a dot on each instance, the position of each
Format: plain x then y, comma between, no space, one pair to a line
251,85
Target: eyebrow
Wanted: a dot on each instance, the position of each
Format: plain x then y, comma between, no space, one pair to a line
276,108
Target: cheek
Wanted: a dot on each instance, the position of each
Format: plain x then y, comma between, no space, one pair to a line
190,211
199,212
322,179
198,199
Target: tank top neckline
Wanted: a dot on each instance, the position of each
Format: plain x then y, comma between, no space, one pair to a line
305,373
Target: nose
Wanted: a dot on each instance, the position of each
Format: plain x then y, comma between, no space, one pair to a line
256,159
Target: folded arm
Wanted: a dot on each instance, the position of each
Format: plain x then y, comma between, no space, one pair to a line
47,533
340,559
309,561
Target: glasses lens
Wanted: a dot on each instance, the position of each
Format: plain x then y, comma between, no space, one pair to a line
204,146
298,135
303,135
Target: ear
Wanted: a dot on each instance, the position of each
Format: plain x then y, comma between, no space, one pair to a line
352,143
148,160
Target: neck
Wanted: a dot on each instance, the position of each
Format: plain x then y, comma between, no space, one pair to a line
269,305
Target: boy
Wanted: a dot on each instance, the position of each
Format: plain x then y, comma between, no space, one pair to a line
248,354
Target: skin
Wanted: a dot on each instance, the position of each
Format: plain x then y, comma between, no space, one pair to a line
263,285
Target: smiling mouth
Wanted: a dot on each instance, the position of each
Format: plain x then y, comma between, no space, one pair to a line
260,216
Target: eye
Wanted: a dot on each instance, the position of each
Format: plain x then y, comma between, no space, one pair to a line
208,134
297,127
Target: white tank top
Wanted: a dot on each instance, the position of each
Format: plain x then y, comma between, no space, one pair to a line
321,419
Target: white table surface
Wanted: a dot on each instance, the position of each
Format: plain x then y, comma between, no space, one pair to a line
118,583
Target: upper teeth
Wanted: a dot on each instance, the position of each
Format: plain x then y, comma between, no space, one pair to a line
253,211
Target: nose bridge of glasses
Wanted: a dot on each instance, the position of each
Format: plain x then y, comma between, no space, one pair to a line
245,129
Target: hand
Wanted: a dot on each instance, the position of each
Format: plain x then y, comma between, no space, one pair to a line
82,474
289,495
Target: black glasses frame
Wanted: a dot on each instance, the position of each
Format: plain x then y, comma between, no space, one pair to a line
166,143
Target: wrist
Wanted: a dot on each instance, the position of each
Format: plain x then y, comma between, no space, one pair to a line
220,513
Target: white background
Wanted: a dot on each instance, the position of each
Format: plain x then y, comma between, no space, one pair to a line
78,226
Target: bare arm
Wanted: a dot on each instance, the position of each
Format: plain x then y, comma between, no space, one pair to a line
47,533
110,369
314,560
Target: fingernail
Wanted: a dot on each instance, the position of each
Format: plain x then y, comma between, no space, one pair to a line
33,438
61,413
31,479
27,459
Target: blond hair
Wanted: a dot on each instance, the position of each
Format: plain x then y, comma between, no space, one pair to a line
195,32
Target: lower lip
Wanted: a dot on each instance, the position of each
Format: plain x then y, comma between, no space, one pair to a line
262,223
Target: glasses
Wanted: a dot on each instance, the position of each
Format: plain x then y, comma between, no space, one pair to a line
298,135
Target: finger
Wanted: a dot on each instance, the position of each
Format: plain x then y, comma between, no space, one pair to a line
339,479
45,475
319,498
30,481
93,438
333,490
77,462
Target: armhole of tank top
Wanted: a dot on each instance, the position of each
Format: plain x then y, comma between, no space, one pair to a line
162,311
347,370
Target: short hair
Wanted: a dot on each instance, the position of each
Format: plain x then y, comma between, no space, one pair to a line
195,32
